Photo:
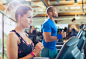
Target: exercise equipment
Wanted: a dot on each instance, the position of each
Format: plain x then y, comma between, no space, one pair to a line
71,49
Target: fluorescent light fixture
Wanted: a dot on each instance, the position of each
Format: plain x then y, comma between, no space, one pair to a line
40,10
72,8
27,0
77,17
84,7
79,0
78,7
62,25
14,0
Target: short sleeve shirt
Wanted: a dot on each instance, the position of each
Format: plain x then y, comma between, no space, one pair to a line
49,26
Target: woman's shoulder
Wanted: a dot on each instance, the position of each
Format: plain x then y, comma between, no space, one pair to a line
12,36
72,26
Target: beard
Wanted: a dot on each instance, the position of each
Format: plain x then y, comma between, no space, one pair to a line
54,16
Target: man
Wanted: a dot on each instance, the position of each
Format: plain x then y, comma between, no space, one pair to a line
50,36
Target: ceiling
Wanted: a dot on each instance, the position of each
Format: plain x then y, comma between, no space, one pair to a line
64,7
67,9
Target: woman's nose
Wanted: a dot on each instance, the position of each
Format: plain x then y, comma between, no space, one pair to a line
31,21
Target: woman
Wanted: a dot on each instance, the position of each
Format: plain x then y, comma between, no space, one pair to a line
74,28
18,44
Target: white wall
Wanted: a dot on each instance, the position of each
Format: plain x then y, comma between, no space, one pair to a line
65,20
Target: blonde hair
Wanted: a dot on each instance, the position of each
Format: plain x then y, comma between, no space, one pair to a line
11,6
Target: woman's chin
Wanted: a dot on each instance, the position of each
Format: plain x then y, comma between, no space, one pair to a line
28,26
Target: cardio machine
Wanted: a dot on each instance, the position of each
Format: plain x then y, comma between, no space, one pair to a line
73,48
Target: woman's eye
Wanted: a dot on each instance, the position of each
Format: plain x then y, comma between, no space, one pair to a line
29,17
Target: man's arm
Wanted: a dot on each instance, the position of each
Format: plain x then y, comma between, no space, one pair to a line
48,37
47,34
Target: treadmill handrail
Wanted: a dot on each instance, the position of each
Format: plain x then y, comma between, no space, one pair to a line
81,31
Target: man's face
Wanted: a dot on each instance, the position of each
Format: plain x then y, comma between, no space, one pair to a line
54,13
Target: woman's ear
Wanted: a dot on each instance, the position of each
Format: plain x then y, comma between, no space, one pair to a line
19,17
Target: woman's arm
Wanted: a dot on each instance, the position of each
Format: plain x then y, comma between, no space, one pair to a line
76,28
12,46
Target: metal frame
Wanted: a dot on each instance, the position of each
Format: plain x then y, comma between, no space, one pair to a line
2,39
2,36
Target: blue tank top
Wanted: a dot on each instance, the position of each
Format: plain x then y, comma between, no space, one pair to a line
73,33
23,47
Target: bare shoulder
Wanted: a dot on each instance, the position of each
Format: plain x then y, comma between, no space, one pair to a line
12,37
72,26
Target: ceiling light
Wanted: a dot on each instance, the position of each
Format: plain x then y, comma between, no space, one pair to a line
40,10
77,17
77,7
27,0
72,8
79,0
60,9
84,7
66,8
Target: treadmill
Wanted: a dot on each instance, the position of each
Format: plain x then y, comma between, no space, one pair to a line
72,49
